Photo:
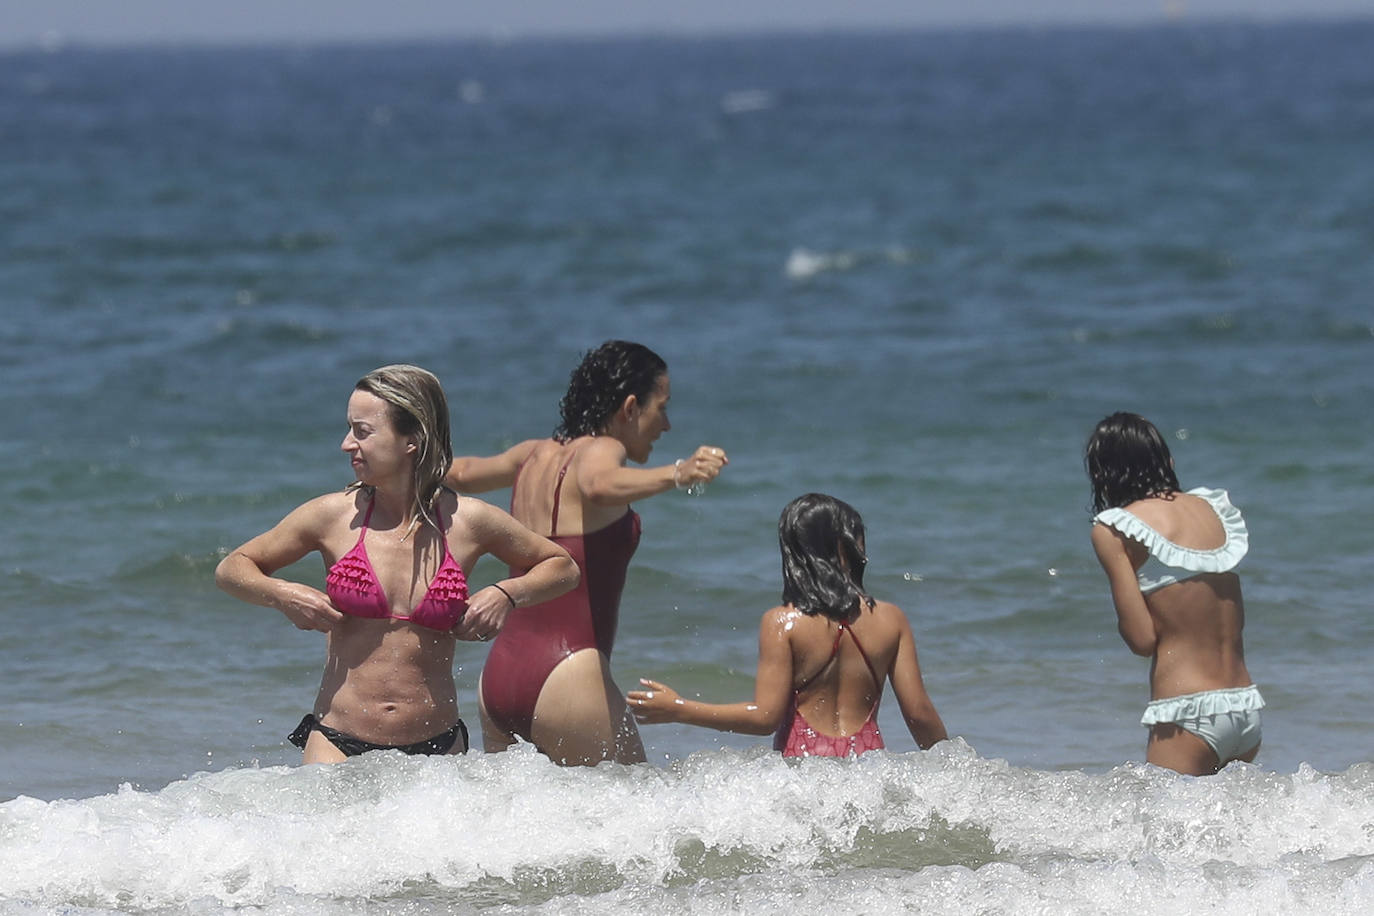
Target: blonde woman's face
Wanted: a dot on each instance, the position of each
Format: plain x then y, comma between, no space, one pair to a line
376,450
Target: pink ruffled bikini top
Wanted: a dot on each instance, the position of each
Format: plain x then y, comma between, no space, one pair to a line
352,585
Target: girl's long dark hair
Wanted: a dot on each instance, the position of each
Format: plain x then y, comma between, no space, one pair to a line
1127,459
601,383
823,558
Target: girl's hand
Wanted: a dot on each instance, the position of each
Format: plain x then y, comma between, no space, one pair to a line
657,703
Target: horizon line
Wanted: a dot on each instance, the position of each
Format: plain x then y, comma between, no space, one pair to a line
55,40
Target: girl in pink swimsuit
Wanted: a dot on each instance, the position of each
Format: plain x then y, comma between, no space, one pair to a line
823,653
398,547
548,677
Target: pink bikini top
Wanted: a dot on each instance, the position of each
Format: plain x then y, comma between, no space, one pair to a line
353,587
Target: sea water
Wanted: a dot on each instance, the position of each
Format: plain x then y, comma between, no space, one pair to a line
911,270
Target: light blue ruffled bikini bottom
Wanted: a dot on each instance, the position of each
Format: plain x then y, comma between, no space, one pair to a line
1228,720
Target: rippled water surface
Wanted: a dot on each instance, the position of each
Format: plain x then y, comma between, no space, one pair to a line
911,270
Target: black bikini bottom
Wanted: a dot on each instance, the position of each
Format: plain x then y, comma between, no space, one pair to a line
441,743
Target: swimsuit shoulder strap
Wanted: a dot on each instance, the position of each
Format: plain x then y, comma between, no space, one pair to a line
834,650
367,516
443,526
557,495
858,645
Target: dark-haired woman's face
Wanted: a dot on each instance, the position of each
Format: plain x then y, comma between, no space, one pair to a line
650,422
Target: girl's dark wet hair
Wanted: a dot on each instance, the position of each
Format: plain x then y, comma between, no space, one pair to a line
823,559
601,383
1127,459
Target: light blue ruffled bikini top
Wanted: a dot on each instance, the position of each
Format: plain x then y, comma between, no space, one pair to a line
1169,562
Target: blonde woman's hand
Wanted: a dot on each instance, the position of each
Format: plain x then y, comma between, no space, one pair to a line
308,608
487,611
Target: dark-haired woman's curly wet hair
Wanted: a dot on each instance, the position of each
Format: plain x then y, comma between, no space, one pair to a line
1127,459
601,383
823,558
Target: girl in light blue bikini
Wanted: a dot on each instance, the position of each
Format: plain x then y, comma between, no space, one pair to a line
1170,558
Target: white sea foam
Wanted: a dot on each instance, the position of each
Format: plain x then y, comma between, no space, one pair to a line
725,831
743,101
803,263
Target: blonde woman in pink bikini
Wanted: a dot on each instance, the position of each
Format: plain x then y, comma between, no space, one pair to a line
397,547
1170,558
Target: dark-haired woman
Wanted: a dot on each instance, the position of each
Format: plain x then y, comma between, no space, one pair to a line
548,676
1170,558
398,547
823,654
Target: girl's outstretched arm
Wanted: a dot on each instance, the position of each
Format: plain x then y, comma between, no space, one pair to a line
772,687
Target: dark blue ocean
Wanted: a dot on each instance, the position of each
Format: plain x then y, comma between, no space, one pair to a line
908,269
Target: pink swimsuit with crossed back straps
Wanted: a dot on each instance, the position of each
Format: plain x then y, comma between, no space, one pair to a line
797,738
353,587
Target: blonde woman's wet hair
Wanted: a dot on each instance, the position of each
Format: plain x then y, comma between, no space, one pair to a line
418,408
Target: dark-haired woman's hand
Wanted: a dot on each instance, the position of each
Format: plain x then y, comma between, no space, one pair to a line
703,467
